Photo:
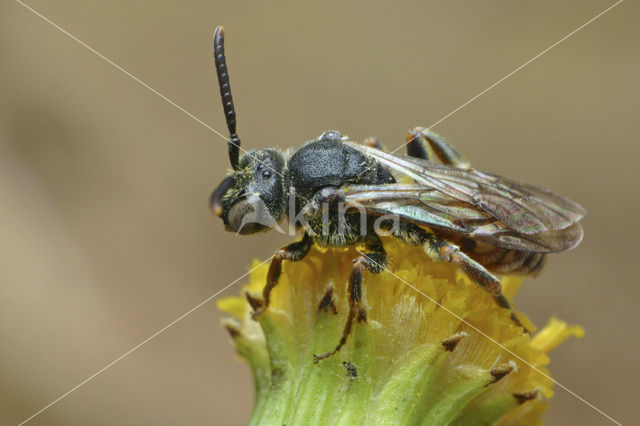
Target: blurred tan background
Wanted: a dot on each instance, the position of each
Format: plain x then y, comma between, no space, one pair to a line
105,232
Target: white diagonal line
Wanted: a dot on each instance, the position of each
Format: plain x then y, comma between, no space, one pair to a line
142,83
244,275
136,347
127,73
510,74
494,341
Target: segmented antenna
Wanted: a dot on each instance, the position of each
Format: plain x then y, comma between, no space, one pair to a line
225,93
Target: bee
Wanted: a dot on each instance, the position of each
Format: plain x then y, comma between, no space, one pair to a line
340,193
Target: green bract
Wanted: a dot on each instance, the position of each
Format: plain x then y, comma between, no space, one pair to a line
412,362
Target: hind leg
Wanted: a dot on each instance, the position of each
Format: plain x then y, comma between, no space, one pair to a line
422,142
440,250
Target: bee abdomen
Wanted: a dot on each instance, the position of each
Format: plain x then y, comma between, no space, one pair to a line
501,260
517,262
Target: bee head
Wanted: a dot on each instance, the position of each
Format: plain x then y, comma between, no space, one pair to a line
252,198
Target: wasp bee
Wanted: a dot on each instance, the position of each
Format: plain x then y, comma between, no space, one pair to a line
342,193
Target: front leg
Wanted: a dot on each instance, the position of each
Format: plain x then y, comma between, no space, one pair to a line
375,260
294,252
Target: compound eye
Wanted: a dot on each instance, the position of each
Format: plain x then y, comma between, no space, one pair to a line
266,174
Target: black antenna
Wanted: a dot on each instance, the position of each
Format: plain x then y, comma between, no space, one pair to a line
225,93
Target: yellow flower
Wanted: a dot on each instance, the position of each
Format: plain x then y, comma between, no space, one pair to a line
412,362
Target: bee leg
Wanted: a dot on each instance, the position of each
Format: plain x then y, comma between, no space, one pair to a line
440,250
422,142
373,142
294,252
375,259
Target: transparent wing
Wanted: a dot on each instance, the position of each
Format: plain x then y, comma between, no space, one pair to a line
483,206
